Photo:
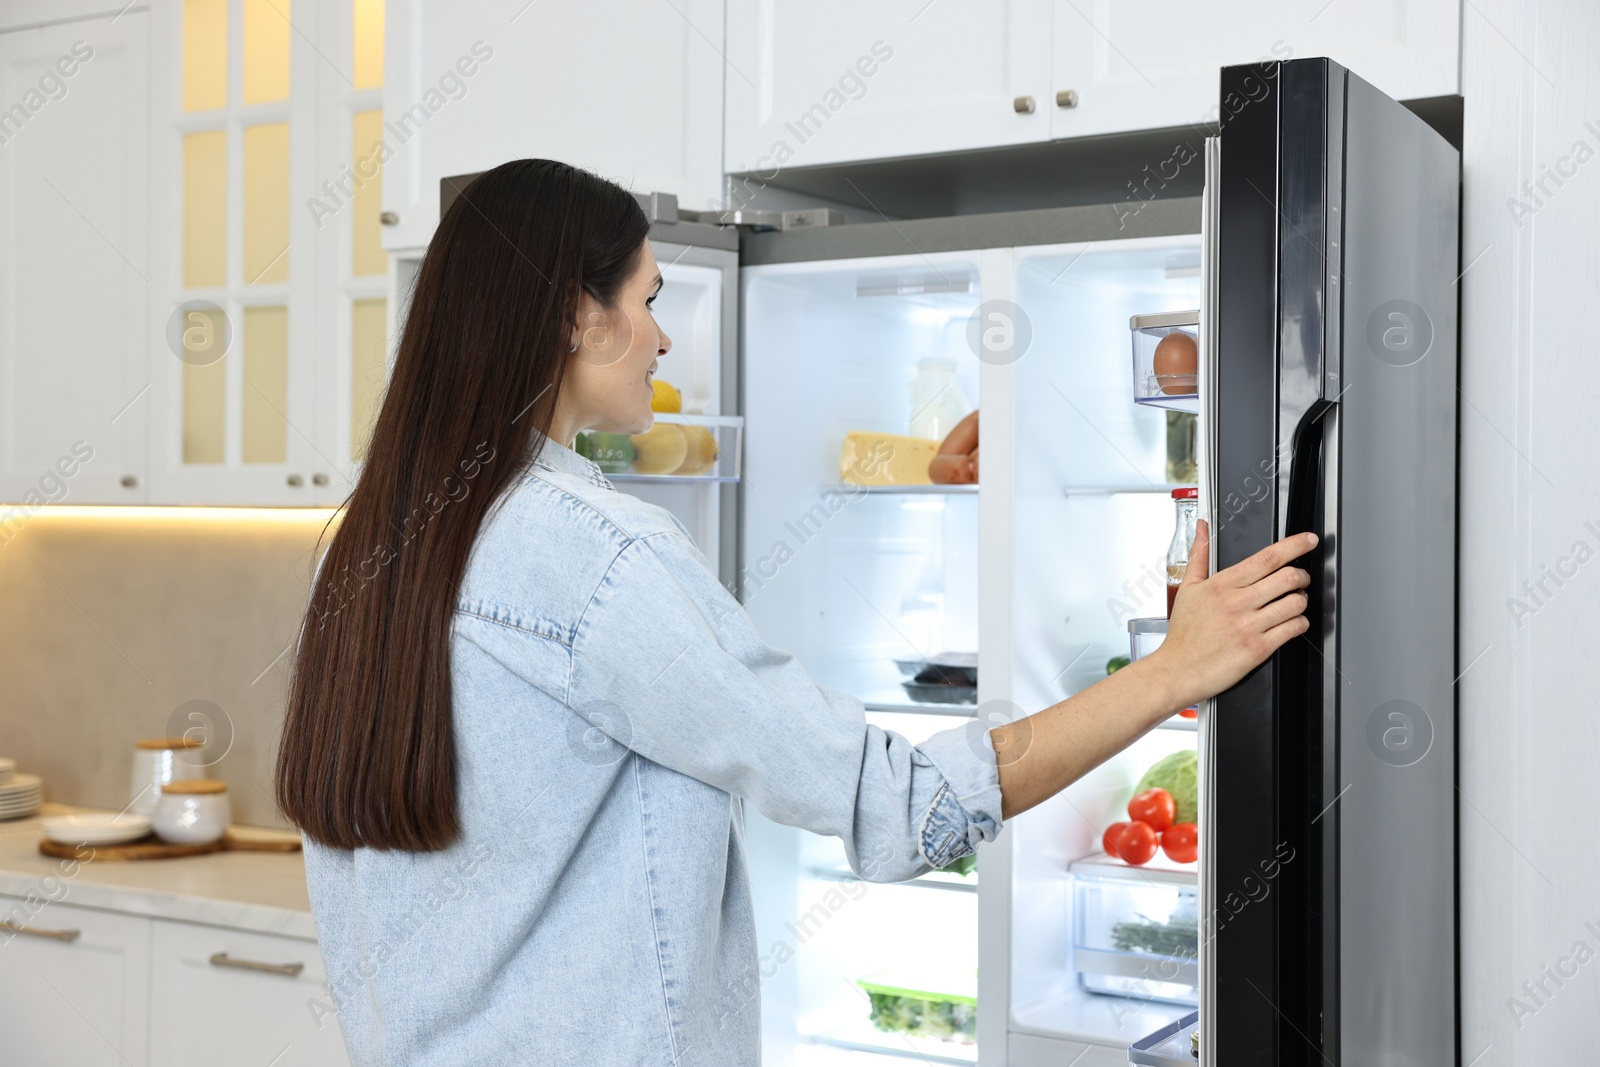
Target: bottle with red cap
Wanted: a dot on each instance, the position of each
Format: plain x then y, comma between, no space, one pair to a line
1187,503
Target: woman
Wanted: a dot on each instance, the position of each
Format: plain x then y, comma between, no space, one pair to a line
525,716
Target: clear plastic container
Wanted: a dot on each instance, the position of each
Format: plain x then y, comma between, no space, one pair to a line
1136,929
678,448
937,402
1166,372
1144,637
1186,502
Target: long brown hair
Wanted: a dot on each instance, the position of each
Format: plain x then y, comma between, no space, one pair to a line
367,757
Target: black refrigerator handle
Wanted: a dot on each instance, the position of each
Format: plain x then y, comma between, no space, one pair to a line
1305,469
1307,733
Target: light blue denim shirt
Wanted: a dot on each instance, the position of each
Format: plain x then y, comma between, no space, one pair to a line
614,708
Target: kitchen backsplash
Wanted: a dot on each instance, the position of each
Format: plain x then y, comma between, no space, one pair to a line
127,623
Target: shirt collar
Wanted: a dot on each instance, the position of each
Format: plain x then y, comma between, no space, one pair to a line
555,456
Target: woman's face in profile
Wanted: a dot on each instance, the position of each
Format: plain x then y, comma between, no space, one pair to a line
612,370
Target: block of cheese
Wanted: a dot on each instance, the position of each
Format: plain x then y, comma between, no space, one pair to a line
870,458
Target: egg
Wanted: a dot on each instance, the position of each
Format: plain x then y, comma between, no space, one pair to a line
1176,363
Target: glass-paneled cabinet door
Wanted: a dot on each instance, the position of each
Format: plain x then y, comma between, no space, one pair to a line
353,268
233,405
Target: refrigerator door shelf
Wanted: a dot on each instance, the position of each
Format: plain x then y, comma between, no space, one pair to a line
1166,379
678,449
1170,1046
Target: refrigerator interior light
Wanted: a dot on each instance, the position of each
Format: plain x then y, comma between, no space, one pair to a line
902,284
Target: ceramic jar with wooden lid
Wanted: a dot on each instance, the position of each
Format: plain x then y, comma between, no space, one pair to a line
192,811
157,761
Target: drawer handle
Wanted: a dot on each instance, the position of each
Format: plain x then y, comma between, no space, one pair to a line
34,931
222,959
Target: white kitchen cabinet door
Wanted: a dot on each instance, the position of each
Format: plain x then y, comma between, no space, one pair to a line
223,996
75,269
73,989
234,348
837,81
631,91
1152,64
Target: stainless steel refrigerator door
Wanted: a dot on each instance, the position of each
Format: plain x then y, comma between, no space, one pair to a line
1331,882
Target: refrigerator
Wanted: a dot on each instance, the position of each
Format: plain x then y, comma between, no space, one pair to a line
1317,274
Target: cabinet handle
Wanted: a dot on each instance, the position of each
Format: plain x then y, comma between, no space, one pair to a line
1067,98
34,931
388,218
130,482
289,970
296,481
319,479
1023,105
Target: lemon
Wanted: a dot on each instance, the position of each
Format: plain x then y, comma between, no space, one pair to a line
666,397
662,450
702,452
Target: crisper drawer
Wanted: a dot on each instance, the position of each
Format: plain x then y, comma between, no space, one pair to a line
1136,930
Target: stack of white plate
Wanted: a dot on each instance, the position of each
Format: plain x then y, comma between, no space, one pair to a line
96,828
20,794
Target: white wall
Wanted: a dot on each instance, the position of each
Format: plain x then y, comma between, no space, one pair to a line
1530,727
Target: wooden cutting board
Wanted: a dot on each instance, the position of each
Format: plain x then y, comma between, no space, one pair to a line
153,848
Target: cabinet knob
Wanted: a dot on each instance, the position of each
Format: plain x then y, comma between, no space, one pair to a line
1067,98
296,481
319,479
388,218
130,482
1023,105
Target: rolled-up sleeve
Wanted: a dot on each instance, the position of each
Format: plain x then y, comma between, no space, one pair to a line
668,663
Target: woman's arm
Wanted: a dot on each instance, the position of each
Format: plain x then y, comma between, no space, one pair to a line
1222,628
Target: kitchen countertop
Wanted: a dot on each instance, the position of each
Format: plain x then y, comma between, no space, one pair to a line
263,892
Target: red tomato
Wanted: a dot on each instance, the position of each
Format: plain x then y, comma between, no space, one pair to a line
1181,842
1155,807
1138,842
1109,839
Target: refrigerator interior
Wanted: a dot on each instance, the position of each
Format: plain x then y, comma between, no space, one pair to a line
848,579
1093,517
691,311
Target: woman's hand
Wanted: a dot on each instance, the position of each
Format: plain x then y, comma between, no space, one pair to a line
1225,625
956,462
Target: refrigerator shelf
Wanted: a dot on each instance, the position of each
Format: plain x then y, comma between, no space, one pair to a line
1156,488
944,880
919,490
865,1038
674,479
959,711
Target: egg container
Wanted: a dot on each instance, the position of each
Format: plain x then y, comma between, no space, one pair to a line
1173,392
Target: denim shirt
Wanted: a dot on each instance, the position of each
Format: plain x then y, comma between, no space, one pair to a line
613,710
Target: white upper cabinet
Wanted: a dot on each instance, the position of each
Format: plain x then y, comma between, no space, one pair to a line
1151,64
835,80
75,271
632,91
